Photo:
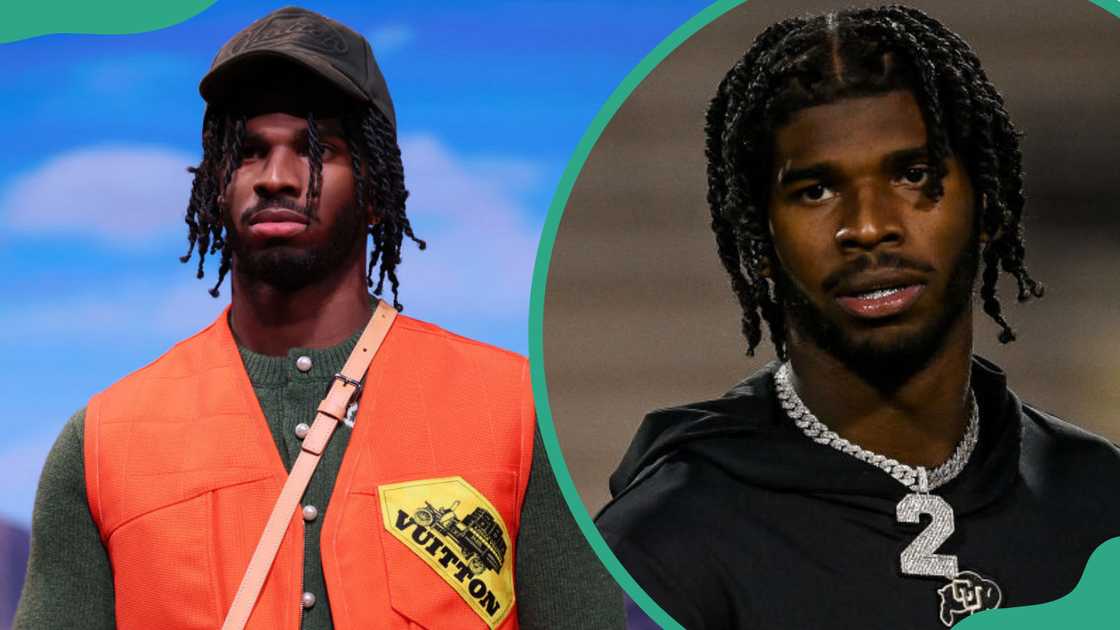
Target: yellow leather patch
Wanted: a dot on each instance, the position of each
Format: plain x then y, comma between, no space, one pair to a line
459,534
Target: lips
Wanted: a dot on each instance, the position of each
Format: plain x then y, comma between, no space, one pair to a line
876,296
881,303
277,223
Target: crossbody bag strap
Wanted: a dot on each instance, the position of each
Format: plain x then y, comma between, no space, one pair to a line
345,388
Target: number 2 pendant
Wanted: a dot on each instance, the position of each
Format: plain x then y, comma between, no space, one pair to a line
967,591
919,557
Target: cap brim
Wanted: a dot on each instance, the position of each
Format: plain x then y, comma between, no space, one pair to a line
219,86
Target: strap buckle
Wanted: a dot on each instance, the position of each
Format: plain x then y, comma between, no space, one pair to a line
352,402
347,381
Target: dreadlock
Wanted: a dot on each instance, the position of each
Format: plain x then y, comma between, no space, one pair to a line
807,61
378,176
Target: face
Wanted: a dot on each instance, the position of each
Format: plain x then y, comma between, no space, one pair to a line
868,267
277,237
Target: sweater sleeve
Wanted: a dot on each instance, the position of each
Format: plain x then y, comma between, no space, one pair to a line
560,582
69,580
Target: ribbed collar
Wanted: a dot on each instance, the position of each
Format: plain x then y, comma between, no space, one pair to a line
266,370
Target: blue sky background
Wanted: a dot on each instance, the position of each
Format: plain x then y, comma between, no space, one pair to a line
491,99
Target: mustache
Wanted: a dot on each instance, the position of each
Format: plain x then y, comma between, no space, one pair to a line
867,262
275,203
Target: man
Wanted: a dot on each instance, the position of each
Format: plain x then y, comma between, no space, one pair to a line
862,169
433,505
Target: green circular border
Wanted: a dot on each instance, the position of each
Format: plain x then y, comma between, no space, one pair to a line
536,313
540,280
26,19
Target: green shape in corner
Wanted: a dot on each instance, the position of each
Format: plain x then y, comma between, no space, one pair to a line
1090,606
106,17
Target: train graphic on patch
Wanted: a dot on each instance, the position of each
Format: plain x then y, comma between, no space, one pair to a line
479,535
457,532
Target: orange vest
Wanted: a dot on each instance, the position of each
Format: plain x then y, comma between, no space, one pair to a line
182,472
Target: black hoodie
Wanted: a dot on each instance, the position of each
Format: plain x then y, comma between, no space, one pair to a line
729,517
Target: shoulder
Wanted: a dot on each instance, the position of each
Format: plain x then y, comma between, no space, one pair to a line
192,355
417,328
474,380
671,517
430,334
700,436
66,454
664,530
1053,454
1066,465
1052,442
672,499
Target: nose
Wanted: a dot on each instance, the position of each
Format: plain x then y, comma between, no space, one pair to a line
871,218
281,174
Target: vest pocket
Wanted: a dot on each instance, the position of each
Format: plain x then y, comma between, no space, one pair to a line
179,565
162,568
447,547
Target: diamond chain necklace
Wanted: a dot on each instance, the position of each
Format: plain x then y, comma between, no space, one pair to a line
966,592
909,476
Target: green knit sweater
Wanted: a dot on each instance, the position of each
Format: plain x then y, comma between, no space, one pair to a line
560,583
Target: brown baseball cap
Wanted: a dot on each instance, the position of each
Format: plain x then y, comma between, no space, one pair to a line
327,48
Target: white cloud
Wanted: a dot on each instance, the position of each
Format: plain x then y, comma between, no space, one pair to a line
481,246
516,176
132,310
389,38
123,195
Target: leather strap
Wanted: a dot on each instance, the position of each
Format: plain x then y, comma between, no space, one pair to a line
331,411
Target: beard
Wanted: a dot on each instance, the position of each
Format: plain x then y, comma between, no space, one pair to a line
288,268
885,364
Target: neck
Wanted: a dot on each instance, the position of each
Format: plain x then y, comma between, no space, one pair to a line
918,423
270,321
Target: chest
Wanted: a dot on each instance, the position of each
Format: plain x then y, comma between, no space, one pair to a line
803,561
419,528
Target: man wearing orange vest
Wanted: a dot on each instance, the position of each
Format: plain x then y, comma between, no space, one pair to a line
432,505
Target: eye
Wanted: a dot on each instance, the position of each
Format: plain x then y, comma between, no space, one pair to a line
251,151
916,175
817,193
326,149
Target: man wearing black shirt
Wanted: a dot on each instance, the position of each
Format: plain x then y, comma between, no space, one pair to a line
864,177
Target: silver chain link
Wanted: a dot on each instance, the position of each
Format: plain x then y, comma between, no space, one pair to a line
903,473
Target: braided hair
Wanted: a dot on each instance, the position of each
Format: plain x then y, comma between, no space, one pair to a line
378,176
807,61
